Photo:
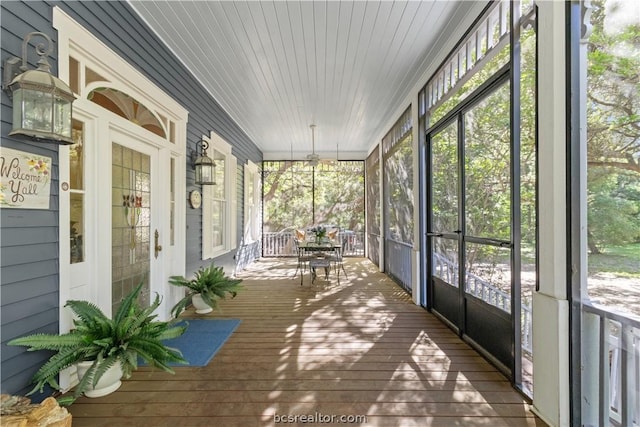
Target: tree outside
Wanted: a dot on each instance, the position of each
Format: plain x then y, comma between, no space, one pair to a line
613,154
297,195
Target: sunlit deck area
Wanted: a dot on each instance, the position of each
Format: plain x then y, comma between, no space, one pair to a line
358,348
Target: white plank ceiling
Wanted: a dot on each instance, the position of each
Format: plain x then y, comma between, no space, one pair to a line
276,67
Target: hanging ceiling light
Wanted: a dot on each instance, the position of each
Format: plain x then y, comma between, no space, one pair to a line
313,158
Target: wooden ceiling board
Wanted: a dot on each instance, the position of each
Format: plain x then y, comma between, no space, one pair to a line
277,66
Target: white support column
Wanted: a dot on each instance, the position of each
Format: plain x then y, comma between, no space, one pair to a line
550,304
381,259
416,289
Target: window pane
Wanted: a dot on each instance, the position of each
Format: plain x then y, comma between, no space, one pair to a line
219,172
172,201
76,196
77,227
76,156
217,223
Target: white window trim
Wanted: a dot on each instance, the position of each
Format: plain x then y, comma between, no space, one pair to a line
251,207
229,226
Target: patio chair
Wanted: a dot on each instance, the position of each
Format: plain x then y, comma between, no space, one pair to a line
316,263
337,258
303,259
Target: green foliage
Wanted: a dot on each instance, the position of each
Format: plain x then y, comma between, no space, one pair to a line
210,282
613,207
297,195
613,128
398,182
132,333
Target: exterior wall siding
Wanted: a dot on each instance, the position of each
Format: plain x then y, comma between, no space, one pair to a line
29,238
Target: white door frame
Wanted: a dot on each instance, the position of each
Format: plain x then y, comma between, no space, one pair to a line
92,281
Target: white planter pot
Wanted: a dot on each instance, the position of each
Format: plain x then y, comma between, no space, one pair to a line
200,306
108,383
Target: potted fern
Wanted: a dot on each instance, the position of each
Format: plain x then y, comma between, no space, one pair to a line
203,291
104,348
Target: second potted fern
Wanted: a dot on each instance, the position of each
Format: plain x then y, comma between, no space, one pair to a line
203,291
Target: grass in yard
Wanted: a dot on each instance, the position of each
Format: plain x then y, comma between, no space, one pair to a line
621,260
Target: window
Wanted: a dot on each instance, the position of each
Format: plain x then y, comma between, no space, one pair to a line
218,219
251,203
77,193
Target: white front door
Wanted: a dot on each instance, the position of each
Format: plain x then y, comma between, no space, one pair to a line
117,215
136,221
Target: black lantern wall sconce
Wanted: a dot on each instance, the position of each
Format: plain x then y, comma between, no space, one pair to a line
41,101
204,166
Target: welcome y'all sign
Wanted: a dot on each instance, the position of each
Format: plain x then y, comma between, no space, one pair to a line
25,180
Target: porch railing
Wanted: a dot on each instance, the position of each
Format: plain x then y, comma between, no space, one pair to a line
611,347
397,260
280,244
491,294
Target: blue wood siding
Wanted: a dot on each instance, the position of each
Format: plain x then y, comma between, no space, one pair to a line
29,238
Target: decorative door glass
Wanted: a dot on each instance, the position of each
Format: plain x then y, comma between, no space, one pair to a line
131,223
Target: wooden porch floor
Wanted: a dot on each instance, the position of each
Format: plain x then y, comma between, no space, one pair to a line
358,348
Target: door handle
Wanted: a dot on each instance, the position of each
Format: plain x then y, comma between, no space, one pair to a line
157,247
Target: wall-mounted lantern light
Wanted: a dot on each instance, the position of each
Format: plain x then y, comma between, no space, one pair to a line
41,101
204,166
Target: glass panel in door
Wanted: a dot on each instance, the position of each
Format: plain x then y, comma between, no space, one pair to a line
444,180
443,224
444,200
131,223
487,225
487,190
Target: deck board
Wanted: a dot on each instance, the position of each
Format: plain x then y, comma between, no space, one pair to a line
360,347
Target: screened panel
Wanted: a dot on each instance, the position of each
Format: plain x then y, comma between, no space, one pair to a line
373,193
297,196
373,205
488,274
399,192
288,195
398,203
478,56
444,175
444,260
487,162
339,194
